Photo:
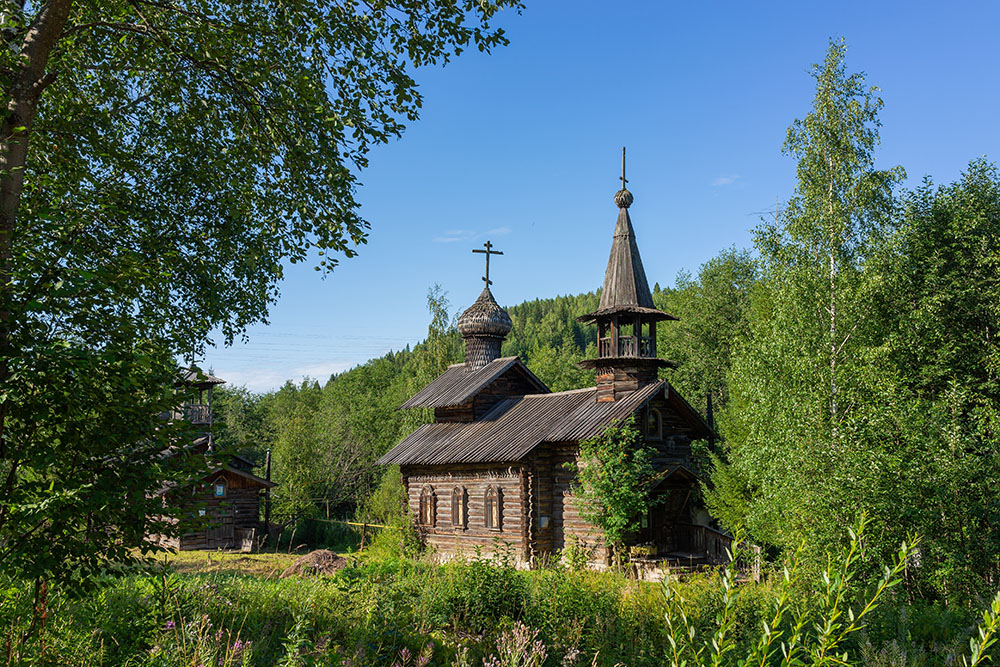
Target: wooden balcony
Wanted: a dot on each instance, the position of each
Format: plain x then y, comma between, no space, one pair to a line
628,346
197,414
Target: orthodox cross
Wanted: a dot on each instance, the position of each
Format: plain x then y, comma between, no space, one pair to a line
489,251
623,179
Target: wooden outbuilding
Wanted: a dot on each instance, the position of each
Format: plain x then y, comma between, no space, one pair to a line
491,470
229,495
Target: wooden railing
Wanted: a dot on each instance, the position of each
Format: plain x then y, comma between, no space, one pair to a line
198,414
697,539
626,346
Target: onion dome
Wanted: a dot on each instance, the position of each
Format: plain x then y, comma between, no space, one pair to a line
484,318
483,325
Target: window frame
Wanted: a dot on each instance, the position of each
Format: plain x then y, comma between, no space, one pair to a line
493,508
459,507
427,508
658,434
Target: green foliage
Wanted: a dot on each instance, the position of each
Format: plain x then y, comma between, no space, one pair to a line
383,612
807,417
546,335
242,424
159,164
614,476
385,504
480,594
867,373
815,633
712,308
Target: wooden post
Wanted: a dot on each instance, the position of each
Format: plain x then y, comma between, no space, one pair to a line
364,529
267,496
637,335
328,509
614,337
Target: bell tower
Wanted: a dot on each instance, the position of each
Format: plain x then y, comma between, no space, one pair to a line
626,317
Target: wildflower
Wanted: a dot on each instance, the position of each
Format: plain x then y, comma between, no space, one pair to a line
521,644
170,625
425,654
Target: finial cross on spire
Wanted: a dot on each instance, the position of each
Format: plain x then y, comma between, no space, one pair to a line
623,179
489,251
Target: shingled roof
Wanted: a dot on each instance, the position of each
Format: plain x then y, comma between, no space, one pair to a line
515,426
625,287
195,376
459,384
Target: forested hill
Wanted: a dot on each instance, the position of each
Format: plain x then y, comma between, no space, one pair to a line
325,437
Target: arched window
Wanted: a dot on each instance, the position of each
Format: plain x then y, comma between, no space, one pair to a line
654,424
427,508
458,506
493,508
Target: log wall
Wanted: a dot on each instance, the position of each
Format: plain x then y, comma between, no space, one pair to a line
233,518
568,524
511,383
444,536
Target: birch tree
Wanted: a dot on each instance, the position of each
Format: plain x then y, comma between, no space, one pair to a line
801,415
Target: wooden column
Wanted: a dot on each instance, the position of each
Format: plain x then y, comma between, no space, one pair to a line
614,336
267,496
637,334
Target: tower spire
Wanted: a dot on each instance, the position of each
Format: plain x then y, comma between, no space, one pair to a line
626,316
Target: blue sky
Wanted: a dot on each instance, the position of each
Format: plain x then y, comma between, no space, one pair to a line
522,147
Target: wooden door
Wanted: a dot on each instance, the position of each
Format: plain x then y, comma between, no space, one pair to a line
221,533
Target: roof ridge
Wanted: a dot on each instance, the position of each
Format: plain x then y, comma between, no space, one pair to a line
562,393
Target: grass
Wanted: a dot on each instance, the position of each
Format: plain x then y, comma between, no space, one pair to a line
231,609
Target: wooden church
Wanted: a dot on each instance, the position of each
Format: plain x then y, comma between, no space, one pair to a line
491,465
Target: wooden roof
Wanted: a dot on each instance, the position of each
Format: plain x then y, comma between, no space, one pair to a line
259,482
515,426
625,288
195,376
249,476
202,443
459,384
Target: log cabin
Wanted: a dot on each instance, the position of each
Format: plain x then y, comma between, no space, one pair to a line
229,495
491,470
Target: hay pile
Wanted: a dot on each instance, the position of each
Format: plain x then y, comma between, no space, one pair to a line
316,562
